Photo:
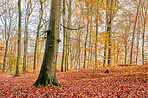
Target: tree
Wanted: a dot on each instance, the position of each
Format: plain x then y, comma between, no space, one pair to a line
37,36
7,19
48,70
109,17
64,59
144,25
29,11
86,37
133,36
17,73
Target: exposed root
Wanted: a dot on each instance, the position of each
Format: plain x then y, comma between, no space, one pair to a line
16,75
45,83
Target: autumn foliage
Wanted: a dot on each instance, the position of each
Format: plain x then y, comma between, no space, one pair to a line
129,81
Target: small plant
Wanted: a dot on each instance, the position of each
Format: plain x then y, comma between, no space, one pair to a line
87,91
133,77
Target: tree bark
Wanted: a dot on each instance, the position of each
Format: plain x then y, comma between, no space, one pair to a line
143,36
69,34
138,35
63,64
17,73
37,37
109,28
133,36
48,70
28,13
85,44
96,43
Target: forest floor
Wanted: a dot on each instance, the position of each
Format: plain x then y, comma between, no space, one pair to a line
120,82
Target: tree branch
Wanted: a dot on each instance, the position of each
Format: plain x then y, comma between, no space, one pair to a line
72,28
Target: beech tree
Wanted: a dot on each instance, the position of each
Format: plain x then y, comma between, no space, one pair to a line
17,73
29,10
37,36
133,35
48,70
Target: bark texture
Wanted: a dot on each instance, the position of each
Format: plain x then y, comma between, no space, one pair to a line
48,70
17,73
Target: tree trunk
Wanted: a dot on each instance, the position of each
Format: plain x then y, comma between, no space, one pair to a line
96,43
138,35
6,48
25,45
69,25
48,70
28,13
5,56
109,29
85,45
105,52
17,73
143,36
63,64
133,36
37,37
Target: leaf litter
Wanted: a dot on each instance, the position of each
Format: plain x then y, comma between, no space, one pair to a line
120,82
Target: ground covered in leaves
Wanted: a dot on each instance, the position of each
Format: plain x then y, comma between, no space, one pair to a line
120,82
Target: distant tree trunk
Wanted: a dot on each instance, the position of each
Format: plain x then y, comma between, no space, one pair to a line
143,35
105,52
79,58
28,13
90,40
117,54
6,48
37,37
85,44
5,56
17,73
109,29
133,36
96,44
25,45
63,64
125,58
86,37
114,53
125,47
138,35
68,40
48,70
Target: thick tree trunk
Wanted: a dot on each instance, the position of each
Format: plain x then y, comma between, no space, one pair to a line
48,70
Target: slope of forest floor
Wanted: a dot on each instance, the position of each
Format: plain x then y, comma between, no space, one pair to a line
120,82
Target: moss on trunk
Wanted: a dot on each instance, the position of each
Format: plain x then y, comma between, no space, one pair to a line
48,70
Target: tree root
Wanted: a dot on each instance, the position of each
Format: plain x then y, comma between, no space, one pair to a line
46,82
